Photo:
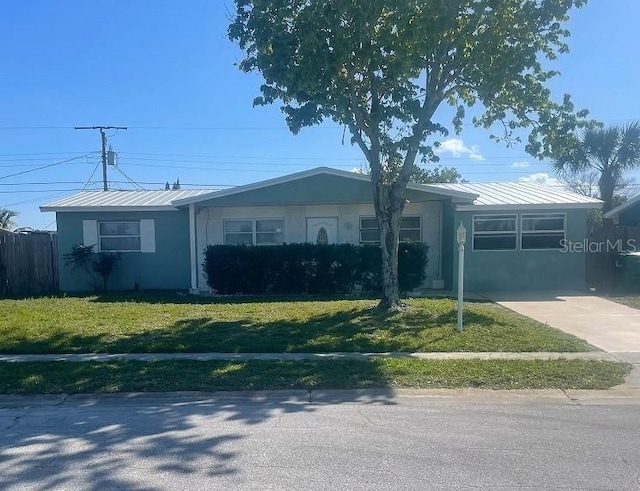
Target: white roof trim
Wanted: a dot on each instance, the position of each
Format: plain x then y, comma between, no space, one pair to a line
92,209
620,208
131,200
536,206
315,172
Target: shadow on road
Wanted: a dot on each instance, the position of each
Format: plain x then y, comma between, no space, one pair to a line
106,440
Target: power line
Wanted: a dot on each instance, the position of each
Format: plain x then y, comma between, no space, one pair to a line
103,141
130,180
241,157
40,183
42,167
91,176
43,153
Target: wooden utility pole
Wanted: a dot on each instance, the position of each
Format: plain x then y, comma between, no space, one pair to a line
103,140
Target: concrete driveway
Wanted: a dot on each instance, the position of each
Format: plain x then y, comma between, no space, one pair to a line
608,325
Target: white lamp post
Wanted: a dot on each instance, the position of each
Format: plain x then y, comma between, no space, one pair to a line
461,238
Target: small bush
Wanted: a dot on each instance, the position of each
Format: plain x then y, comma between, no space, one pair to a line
307,268
83,258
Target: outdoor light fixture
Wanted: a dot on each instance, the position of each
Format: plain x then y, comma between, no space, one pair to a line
461,238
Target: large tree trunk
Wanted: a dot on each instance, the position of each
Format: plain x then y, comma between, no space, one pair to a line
389,237
607,185
389,208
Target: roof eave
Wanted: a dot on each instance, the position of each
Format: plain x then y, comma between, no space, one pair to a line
537,206
614,212
91,209
314,172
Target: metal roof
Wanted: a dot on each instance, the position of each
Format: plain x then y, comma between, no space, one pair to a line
466,196
119,200
315,172
505,195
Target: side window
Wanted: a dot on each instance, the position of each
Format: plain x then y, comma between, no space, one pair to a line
543,230
119,236
495,232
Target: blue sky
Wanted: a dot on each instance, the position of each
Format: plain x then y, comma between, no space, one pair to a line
166,71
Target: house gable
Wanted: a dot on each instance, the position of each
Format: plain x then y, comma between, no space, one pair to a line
317,188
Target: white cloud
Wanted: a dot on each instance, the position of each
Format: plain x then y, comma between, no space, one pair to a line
456,148
540,178
520,165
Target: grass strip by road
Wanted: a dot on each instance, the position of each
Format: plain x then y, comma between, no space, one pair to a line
156,323
628,300
133,376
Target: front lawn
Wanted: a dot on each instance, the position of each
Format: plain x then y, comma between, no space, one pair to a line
148,323
134,376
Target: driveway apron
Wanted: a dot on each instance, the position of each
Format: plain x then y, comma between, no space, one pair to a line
607,325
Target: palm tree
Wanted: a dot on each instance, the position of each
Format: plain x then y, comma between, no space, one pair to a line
6,218
610,152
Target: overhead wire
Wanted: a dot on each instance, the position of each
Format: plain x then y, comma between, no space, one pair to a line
42,167
126,176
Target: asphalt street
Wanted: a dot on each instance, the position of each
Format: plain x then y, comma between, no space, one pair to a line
331,440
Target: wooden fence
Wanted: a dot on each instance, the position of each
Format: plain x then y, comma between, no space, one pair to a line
604,243
28,263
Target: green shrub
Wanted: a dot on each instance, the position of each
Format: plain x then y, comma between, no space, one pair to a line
307,268
83,258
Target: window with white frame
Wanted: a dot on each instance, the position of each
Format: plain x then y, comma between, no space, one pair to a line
410,230
495,232
543,230
119,236
254,232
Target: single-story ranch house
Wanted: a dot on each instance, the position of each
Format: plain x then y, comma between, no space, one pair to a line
515,230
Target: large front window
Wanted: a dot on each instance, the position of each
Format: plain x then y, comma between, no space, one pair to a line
254,232
410,230
494,232
119,236
543,230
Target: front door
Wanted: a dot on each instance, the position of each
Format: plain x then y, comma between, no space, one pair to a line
322,230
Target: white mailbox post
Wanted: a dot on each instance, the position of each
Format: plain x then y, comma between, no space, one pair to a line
461,238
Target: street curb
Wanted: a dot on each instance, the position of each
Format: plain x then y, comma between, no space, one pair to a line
617,395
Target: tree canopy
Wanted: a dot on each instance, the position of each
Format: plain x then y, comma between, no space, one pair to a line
7,216
382,69
603,154
436,174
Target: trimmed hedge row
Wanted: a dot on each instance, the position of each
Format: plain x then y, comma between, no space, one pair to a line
308,268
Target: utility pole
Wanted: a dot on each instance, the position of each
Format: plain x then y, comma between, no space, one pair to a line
103,140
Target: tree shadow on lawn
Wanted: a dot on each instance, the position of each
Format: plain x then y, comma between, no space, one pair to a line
116,442
353,330
184,298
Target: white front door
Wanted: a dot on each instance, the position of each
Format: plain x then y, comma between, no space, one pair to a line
322,230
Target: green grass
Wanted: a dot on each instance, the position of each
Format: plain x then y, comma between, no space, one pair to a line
132,376
630,300
145,323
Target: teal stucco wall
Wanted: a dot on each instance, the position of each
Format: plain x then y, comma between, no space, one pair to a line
521,269
630,217
167,268
316,190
